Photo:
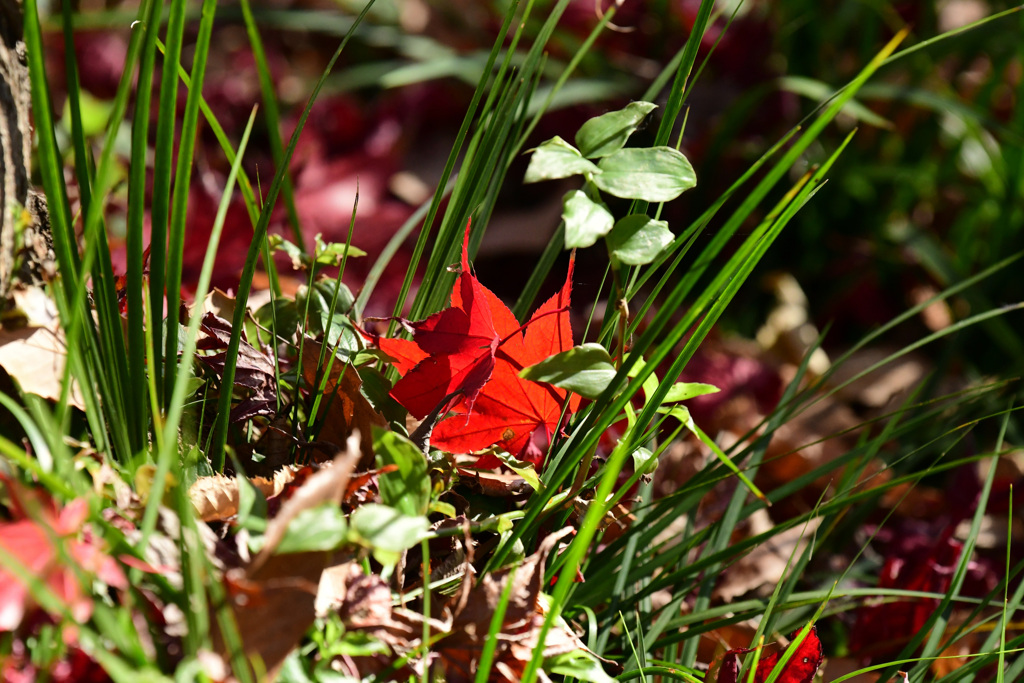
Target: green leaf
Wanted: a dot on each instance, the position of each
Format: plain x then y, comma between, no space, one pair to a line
345,298
526,470
95,114
586,370
325,253
319,528
331,253
384,528
406,489
556,158
278,243
636,240
252,506
655,174
820,92
586,221
607,134
644,461
578,664
650,384
682,391
281,311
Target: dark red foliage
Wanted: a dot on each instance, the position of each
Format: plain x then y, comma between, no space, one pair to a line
800,668
882,630
74,667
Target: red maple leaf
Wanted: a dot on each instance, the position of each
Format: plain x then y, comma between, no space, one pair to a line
800,668
476,349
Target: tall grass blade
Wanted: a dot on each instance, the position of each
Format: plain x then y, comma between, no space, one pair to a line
182,188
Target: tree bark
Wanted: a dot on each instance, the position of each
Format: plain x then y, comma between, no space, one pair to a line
26,252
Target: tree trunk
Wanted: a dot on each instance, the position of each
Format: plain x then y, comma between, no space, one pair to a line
26,252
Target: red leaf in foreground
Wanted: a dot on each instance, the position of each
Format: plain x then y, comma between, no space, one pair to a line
32,542
800,668
477,348
510,409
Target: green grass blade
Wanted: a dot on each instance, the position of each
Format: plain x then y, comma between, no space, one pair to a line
168,456
135,391
182,181
273,119
163,161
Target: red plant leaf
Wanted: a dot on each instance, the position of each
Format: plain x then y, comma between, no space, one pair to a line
927,566
33,542
461,342
801,667
477,348
510,409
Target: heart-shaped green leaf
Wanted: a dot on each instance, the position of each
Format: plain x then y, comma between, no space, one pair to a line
586,370
319,528
638,239
385,528
406,489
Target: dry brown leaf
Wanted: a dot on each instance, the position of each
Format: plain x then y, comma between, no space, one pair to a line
215,498
499,484
273,606
328,485
614,523
35,357
274,596
348,410
788,332
878,388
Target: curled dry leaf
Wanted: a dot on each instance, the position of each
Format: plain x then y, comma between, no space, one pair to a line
613,524
215,498
34,357
328,485
273,606
254,369
499,484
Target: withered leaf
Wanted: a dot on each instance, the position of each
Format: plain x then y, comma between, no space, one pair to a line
35,357
215,498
